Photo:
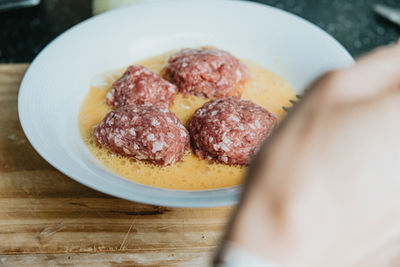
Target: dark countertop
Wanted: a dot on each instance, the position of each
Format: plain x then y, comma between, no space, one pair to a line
24,32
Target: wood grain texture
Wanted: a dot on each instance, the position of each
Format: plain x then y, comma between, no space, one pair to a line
189,257
47,219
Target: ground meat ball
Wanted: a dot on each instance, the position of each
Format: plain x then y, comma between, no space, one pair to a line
138,85
206,72
144,132
229,130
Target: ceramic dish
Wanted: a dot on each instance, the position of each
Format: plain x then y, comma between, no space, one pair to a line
59,78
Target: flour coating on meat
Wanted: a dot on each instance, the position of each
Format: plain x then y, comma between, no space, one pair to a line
206,72
144,132
139,85
230,130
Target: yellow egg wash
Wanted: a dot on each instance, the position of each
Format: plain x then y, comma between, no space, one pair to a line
264,88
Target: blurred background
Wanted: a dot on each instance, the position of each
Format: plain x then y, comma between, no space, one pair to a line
25,31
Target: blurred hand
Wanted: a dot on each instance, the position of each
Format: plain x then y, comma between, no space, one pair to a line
325,188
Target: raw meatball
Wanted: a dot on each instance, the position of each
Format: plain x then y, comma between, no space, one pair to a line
230,130
144,132
139,85
206,72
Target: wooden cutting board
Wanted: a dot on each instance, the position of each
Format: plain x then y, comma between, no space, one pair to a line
47,219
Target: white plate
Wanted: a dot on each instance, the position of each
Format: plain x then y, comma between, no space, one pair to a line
59,78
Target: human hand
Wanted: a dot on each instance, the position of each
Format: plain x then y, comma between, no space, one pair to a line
325,188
